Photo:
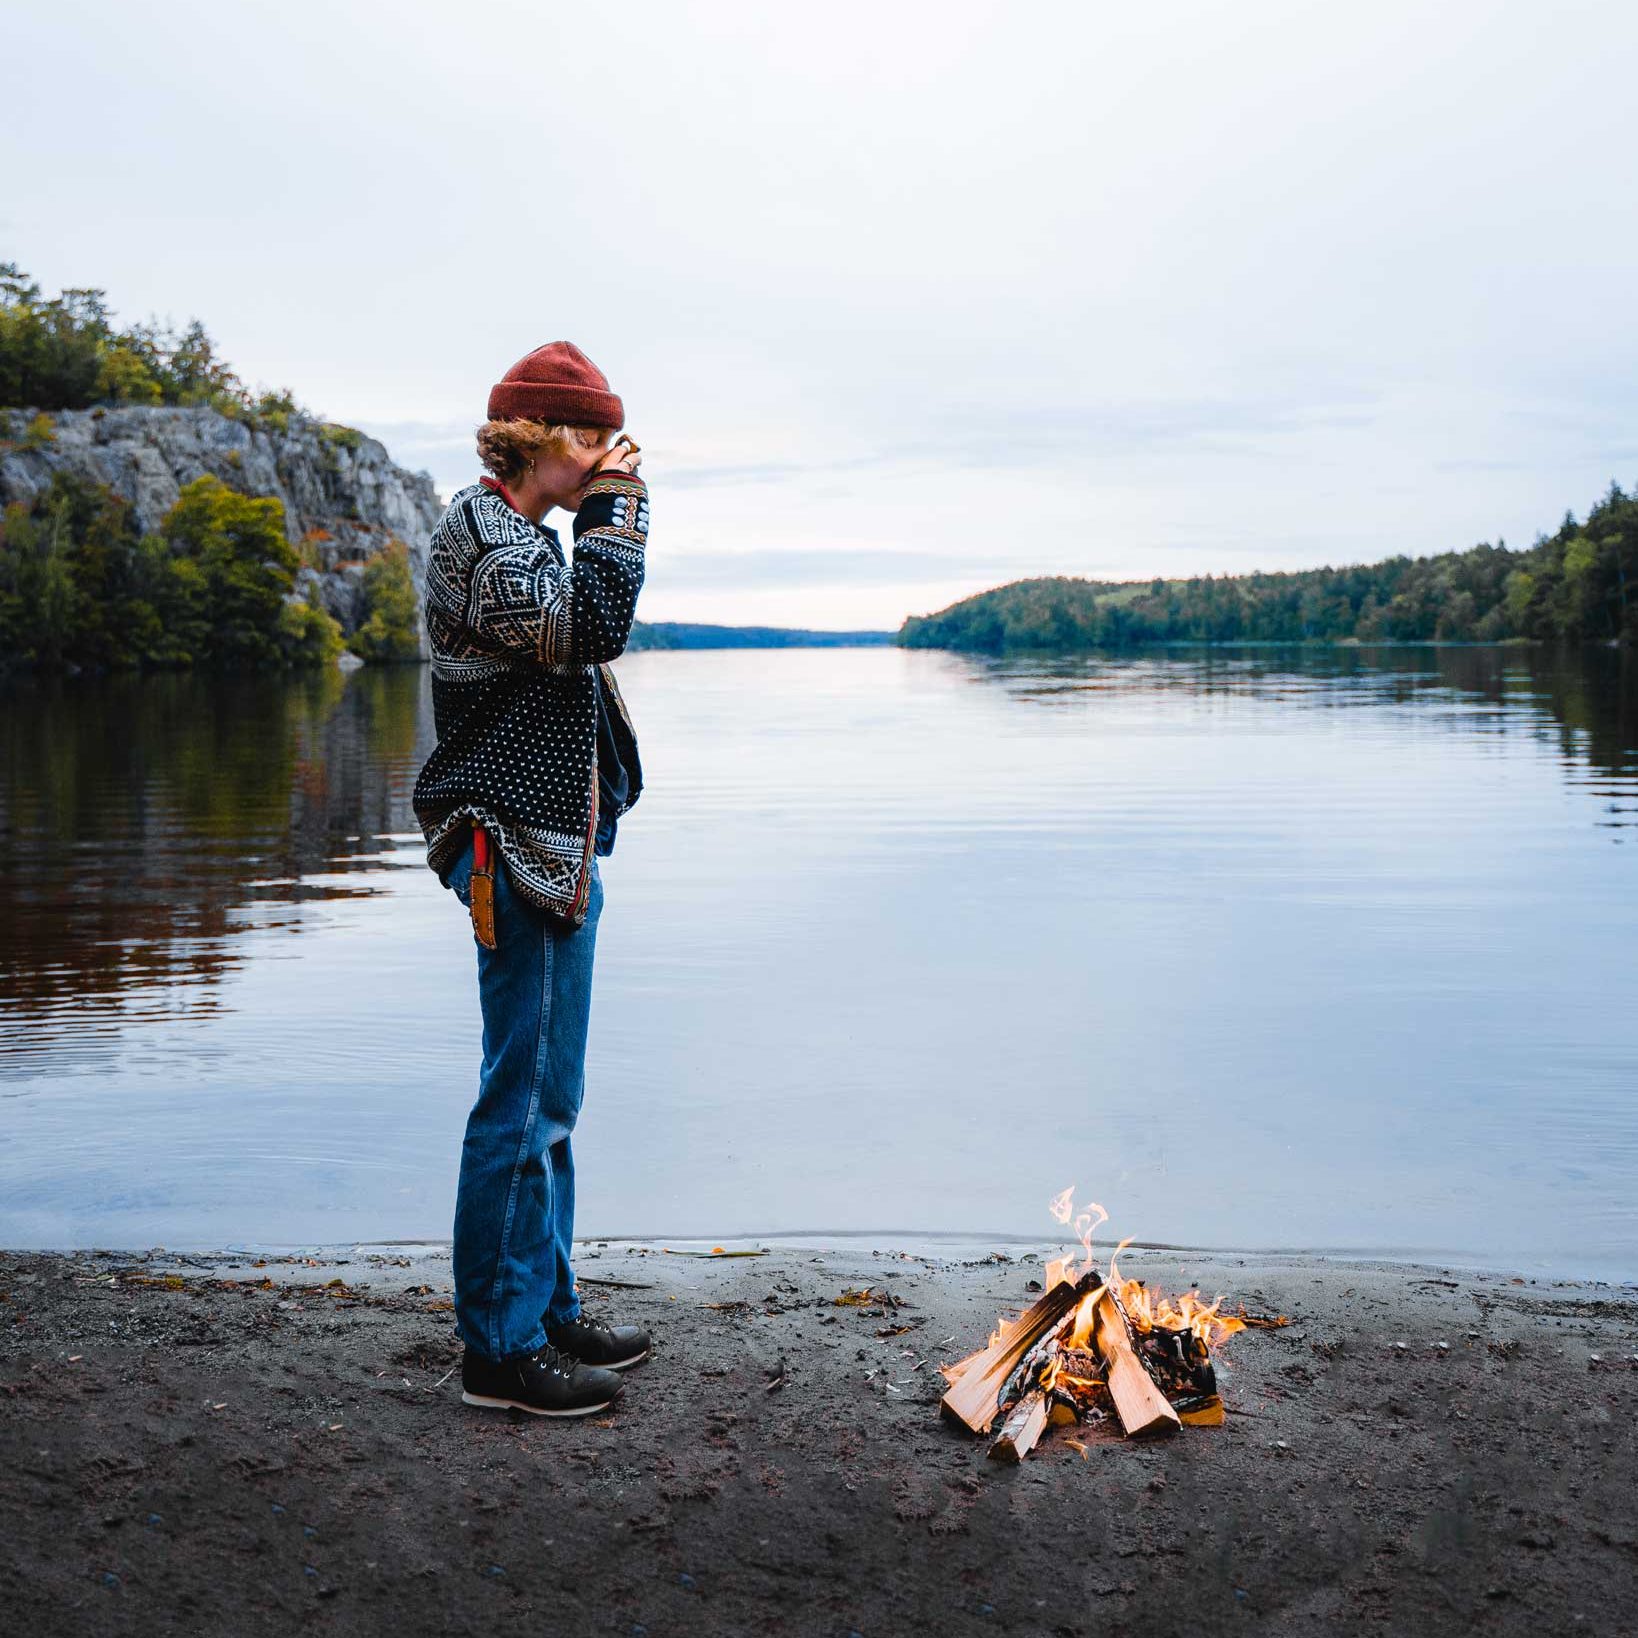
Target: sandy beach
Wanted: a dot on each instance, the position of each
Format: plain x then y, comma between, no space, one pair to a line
213,1443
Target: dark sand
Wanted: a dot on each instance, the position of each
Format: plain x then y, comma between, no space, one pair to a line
278,1455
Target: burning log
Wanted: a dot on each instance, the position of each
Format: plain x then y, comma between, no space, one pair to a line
1177,1360
974,1398
1037,1368
1140,1405
1025,1423
1031,1398
1080,1362
1181,1365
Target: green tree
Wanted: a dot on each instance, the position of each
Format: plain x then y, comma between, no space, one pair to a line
36,587
248,568
1580,586
391,628
170,622
63,352
308,633
78,587
126,378
50,350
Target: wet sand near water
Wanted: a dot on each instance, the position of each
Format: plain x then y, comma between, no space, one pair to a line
203,1445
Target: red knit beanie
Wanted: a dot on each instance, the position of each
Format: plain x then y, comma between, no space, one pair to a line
556,383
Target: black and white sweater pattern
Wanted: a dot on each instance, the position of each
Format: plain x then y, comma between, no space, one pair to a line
520,637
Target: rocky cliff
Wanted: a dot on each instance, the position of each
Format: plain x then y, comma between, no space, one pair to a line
344,499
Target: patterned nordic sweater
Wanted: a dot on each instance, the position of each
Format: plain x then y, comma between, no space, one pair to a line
519,635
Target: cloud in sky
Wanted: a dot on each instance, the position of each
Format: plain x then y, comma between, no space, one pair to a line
903,301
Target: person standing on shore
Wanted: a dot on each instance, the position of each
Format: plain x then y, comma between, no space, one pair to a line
535,762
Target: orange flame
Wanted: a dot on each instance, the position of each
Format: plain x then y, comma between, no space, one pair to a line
999,1334
1083,1224
1080,1328
1145,1309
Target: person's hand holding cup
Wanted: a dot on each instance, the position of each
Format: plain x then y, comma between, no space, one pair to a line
624,455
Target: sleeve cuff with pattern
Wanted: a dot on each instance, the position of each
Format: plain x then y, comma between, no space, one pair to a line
615,505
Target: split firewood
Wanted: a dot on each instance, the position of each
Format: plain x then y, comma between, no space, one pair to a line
1025,1423
953,1373
1200,1411
975,1397
1140,1405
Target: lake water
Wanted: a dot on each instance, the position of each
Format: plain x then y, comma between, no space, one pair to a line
1260,948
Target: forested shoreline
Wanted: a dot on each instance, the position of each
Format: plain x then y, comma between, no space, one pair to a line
1579,585
226,578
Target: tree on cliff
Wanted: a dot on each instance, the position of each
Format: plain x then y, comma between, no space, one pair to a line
50,351
64,352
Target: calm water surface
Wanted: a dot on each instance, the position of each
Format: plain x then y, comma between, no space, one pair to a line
1259,948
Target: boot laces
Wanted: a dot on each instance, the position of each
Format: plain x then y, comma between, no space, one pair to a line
584,1322
550,1360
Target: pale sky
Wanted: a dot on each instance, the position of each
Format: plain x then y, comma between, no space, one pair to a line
904,301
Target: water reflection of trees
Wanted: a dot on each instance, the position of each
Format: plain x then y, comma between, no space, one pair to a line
146,820
1582,699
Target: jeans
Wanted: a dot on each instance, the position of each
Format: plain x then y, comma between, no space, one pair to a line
514,1206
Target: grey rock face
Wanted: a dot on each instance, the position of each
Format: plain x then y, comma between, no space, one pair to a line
342,495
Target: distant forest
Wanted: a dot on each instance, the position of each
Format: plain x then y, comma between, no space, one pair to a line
1581,585
686,634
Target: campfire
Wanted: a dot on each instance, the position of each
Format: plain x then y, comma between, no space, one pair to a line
1095,1348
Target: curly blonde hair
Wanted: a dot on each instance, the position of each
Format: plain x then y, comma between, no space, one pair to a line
506,448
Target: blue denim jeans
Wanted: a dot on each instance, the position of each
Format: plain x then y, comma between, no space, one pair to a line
514,1206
